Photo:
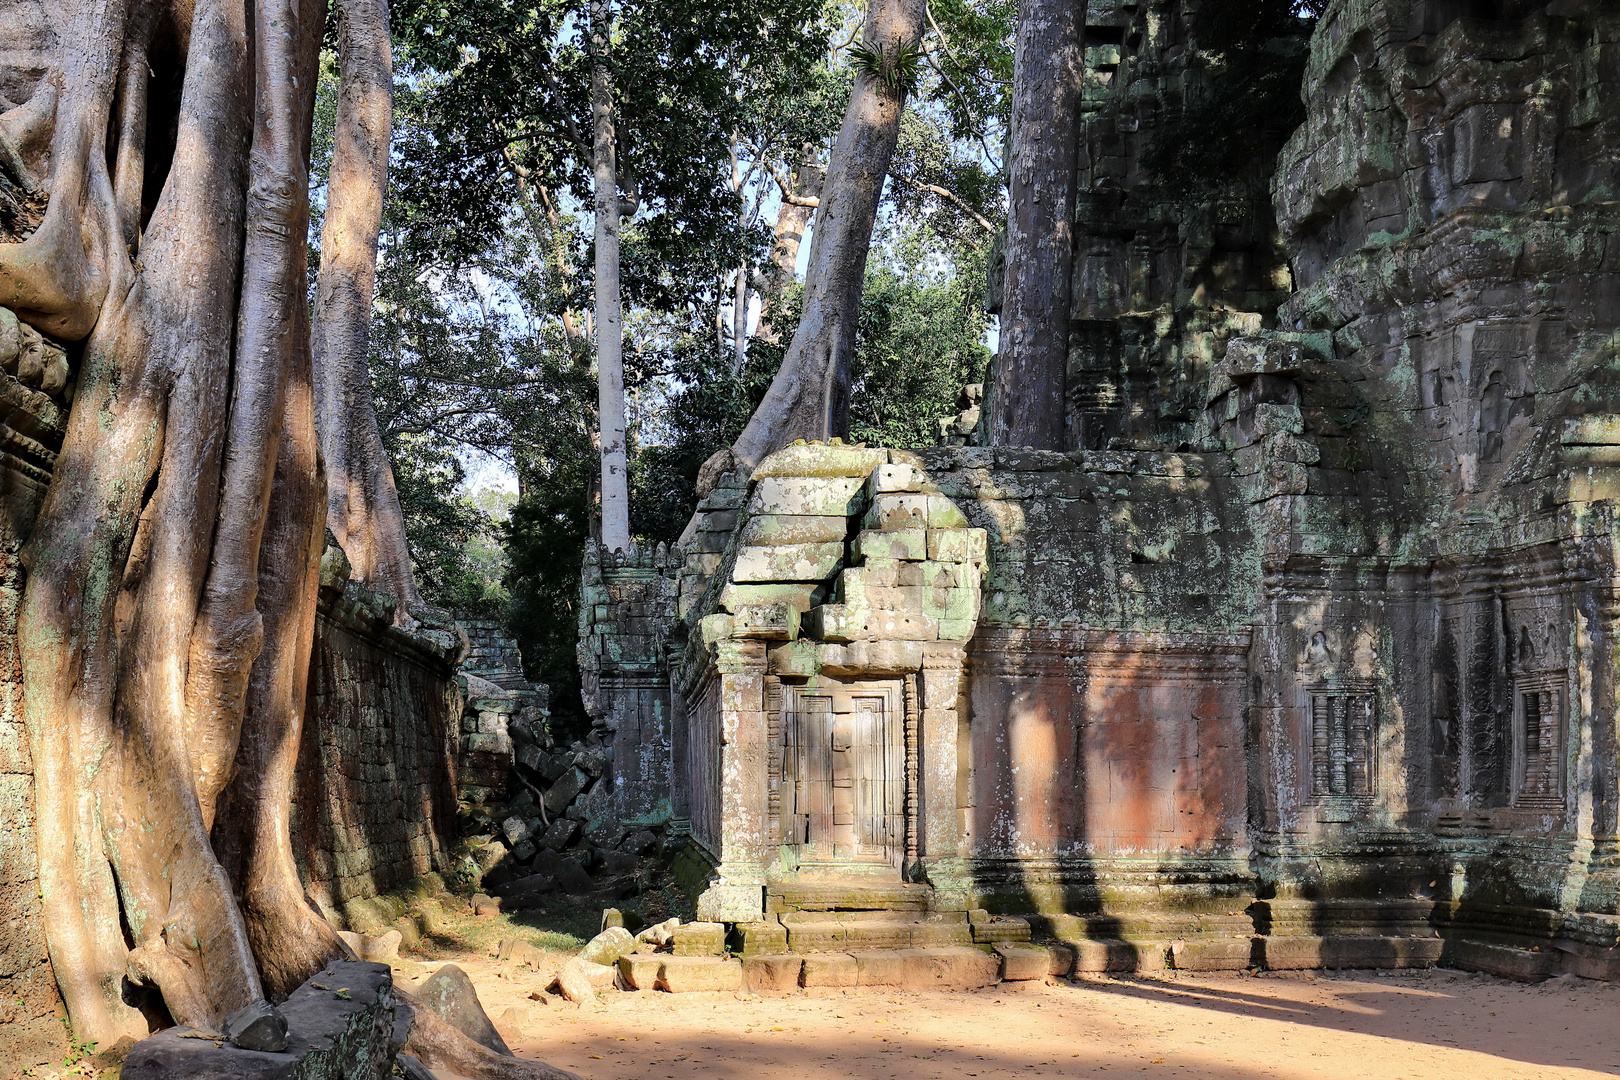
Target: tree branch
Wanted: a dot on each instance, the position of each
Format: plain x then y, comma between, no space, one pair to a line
954,199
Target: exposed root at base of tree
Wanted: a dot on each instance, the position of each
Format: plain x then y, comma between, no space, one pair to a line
439,1046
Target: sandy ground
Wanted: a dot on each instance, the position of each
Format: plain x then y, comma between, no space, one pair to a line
1444,1025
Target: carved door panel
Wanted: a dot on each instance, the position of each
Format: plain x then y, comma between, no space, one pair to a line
808,769
843,761
879,763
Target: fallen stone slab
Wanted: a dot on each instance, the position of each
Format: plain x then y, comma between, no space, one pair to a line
608,946
573,982
340,1026
685,974
769,974
519,951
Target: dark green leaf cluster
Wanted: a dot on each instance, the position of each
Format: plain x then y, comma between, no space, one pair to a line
920,338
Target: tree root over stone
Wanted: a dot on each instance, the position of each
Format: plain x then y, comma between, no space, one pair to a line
437,1045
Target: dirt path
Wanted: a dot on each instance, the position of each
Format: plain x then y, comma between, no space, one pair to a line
1442,1025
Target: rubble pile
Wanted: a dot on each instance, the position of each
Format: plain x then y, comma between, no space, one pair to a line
555,833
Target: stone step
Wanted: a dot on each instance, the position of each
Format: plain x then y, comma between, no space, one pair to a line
954,967
944,968
679,974
842,931
994,929
846,896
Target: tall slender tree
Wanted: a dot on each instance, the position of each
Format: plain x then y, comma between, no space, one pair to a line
609,311
1026,407
809,397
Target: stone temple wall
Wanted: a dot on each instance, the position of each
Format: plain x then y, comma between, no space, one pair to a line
375,799
1303,652
628,605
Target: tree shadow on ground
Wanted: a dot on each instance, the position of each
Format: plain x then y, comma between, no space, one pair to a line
1367,1011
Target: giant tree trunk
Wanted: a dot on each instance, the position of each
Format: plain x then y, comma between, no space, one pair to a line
609,316
362,505
168,613
142,618
1026,401
809,398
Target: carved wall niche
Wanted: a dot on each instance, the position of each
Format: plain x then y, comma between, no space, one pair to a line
1540,706
1538,741
1344,740
1340,709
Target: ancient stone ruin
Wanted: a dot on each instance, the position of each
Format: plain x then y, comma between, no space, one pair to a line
1300,655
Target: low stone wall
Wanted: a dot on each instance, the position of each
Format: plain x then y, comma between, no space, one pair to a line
375,805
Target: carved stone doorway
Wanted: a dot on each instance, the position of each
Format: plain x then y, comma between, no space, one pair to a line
838,772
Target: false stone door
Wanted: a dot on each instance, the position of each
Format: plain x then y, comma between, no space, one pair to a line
839,783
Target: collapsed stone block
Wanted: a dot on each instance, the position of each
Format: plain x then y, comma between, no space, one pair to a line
608,946
340,1025
257,1026
453,999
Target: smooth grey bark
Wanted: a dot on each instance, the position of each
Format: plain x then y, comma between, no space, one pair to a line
609,314
1026,407
362,503
809,398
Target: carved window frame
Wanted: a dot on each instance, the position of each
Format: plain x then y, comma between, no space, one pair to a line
1342,725
1540,724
